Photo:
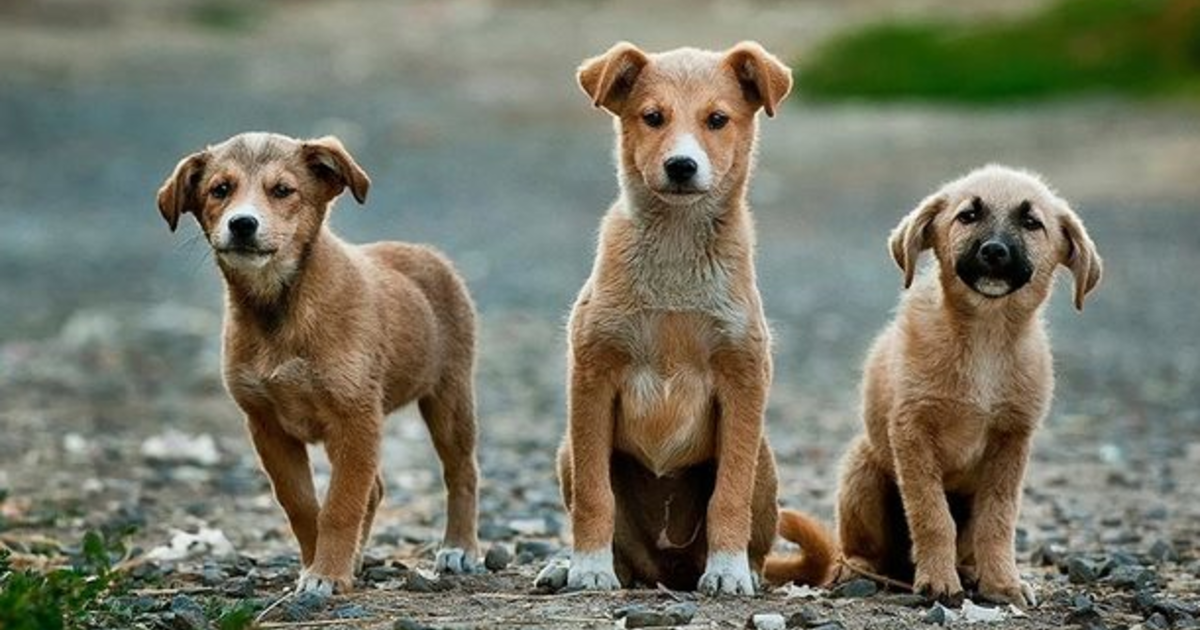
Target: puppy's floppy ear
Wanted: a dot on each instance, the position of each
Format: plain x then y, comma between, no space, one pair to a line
1079,255
913,235
178,194
332,163
765,80
609,78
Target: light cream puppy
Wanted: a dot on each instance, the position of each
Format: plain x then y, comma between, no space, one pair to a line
957,383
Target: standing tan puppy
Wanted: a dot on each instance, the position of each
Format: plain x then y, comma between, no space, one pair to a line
323,339
665,468
958,382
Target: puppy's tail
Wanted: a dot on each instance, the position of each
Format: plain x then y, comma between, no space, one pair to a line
818,552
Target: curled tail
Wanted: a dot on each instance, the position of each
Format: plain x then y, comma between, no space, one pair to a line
818,552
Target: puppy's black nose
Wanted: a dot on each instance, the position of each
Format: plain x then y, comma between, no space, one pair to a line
994,253
680,168
243,226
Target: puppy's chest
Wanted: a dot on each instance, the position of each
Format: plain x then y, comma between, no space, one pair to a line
666,391
294,389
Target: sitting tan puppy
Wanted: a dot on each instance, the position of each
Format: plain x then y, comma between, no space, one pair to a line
957,383
323,339
665,468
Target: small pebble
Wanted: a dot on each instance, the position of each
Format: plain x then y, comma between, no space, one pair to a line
860,587
648,619
497,558
187,614
240,587
1162,551
1131,577
940,615
409,624
769,621
804,618
303,606
350,611
535,549
681,613
1083,570
382,573
418,583
1157,621
553,577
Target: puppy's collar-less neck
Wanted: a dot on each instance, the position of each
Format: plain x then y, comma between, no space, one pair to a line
268,307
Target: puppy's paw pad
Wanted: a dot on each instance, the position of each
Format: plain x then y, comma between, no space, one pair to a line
455,561
727,574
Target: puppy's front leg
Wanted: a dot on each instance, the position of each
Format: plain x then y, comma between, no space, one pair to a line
997,504
925,508
286,461
353,449
741,383
592,502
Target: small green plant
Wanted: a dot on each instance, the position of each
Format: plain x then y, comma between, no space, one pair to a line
68,597
1135,47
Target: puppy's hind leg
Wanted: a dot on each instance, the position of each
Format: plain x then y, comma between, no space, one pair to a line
863,516
450,415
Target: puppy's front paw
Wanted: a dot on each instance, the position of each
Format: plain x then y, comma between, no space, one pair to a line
727,574
455,561
324,586
592,571
1012,590
940,583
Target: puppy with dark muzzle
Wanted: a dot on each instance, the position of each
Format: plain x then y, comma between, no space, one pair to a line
323,339
956,385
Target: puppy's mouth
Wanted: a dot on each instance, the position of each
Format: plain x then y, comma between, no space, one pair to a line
679,195
246,255
244,250
993,287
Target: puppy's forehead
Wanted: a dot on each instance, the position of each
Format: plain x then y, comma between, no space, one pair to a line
252,151
1003,188
686,66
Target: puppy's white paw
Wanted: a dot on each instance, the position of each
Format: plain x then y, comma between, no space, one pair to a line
592,571
315,584
727,573
455,561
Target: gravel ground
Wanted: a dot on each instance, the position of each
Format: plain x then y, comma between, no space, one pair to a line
110,399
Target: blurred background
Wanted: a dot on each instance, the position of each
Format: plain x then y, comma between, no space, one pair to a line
467,117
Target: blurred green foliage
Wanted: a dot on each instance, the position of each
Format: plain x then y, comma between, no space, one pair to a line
1138,47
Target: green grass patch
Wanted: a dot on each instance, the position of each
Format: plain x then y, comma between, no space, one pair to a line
69,597
1138,47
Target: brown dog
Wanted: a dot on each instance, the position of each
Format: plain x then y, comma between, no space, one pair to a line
323,339
956,385
665,468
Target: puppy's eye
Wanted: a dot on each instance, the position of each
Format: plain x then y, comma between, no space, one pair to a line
967,217
653,119
1030,222
716,120
220,191
281,191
